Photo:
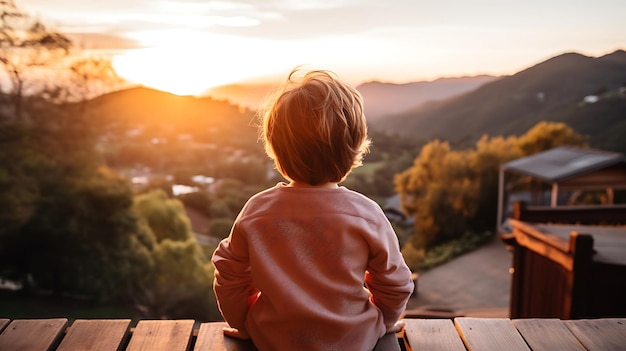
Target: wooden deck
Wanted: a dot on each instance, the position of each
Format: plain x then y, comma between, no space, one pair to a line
420,334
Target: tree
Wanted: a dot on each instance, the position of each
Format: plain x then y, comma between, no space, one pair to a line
27,48
547,135
166,217
67,224
179,284
43,63
431,191
449,193
485,161
220,227
79,236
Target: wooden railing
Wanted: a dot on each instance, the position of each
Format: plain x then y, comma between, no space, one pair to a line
579,214
460,334
567,271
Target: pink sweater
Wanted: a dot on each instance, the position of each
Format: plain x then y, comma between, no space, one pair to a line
292,272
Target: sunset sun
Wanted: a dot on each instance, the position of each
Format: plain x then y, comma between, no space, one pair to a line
182,63
175,72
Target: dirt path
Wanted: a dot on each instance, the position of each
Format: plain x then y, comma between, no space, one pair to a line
477,283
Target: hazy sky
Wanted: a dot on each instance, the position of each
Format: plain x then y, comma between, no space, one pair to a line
190,45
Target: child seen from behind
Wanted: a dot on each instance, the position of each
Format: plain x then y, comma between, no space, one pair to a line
309,264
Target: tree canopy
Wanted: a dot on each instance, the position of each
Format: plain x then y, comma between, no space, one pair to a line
449,192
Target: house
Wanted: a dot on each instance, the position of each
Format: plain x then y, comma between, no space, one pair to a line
559,175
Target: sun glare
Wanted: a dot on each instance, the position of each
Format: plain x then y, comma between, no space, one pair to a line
161,69
191,62
182,63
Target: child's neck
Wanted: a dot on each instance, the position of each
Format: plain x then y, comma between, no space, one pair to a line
305,185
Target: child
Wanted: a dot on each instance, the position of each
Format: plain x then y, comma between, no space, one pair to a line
311,265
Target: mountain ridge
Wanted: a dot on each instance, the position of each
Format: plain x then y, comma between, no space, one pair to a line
553,90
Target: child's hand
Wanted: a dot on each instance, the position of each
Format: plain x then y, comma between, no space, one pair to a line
396,327
236,333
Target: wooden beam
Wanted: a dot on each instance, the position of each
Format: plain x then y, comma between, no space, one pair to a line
161,335
547,334
95,335
32,334
432,335
489,334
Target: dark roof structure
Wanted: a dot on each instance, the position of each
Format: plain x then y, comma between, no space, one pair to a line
565,162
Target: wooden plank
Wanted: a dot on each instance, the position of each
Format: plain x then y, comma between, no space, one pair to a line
211,337
161,335
547,334
600,334
3,323
432,334
32,334
489,334
95,335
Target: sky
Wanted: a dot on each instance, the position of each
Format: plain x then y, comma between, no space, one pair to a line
188,46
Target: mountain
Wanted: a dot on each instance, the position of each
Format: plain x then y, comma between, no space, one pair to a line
557,89
249,95
140,104
382,99
163,115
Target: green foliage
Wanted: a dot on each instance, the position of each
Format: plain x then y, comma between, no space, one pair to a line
389,154
232,194
165,216
179,282
158,183
413,256
419,259
450,192
198,200
179,285
445,252
547,135
220,227
435,191
77,234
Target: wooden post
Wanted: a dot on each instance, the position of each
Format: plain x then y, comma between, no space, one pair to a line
501,204
555,195
581,246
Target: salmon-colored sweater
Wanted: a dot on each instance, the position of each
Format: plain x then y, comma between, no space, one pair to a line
292,272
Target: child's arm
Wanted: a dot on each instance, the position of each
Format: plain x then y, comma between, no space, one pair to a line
388,278
233,283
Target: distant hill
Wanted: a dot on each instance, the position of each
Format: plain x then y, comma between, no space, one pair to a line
162,114
558,89
382,99
249,95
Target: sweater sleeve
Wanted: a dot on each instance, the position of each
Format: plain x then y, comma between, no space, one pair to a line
233,282
387,277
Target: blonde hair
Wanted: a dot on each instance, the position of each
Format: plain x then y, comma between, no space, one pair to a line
315,129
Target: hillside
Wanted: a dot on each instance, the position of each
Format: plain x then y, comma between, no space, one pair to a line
553,90
250,95
382,99
161,114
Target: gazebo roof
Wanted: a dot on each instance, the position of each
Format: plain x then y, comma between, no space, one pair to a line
565,162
